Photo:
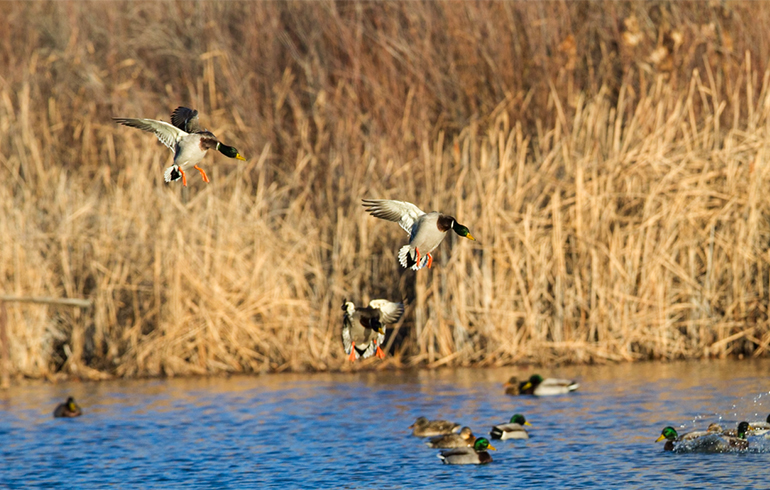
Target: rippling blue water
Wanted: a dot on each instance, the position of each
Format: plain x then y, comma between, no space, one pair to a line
350,430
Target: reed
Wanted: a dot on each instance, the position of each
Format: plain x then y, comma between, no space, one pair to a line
610,158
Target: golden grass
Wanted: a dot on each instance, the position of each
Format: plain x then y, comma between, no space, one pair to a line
610,158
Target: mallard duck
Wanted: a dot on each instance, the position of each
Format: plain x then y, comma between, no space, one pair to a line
513,386
363,329
426,230
547,387
738,441
185,138
464,439
713,440
423,427
512,430
68,409
466,455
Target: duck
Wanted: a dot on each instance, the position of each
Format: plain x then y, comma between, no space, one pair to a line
513,386
426,230
423,427
738,441
539,386
185,138
713,440
466,455
68,409
363,329
464,439
512,430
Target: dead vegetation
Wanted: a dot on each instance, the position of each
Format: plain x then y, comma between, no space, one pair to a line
611,159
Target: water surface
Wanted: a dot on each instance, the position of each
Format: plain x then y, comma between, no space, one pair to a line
350,430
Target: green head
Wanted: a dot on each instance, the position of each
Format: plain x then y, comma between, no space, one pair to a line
668,433
229,151
482,444
519,419
534,380
743,427
462,230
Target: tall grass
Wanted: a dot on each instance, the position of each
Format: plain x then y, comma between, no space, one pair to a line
611,159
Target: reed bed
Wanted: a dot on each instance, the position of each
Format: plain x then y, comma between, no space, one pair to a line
611,159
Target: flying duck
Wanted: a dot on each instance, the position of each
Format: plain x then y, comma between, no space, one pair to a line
185,138
426,230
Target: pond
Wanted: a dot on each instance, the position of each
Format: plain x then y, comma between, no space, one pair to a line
350,430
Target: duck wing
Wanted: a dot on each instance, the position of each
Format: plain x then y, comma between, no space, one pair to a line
390,312
402,212
347,340
167,134
186,119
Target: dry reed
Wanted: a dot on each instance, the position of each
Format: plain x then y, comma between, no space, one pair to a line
611,159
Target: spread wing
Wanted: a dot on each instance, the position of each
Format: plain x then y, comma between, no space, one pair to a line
167,134
347,341
186,119
402,212
390,312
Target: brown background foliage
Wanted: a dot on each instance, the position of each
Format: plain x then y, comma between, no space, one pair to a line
610,157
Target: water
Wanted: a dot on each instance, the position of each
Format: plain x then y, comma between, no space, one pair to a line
350,430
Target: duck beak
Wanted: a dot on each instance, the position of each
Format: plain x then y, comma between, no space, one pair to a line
526,386
491,447
470,237
239,157
527,423
660,438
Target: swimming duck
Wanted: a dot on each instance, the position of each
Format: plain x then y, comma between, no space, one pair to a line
423,427
464,439
738,441
68,409
713,440
512,430
547,387
513,386
363,329
465,455
426,230
185,138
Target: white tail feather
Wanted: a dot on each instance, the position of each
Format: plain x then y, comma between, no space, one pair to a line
169,171
407,250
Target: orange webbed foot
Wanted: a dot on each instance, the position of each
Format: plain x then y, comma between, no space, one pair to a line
352,356
203,174
380,353
430,261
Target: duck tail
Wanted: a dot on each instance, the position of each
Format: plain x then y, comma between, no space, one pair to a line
172,173
408,258
496,433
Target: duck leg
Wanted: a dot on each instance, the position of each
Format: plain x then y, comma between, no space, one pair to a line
203,174
184,177
417,260
430,261
379,352
352,356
